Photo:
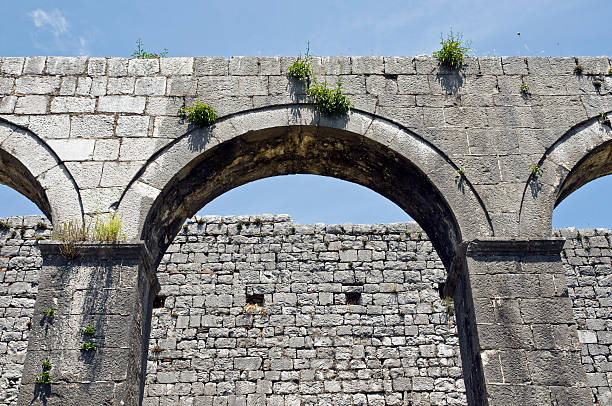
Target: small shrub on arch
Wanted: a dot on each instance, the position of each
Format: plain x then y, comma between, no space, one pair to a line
199,114
453,51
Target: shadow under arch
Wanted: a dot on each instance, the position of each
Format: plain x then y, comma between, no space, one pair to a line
30,166
581,155
359,148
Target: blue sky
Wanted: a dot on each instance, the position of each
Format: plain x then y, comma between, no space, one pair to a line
196,28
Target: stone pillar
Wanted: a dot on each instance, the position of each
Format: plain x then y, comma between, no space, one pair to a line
518,335
109,287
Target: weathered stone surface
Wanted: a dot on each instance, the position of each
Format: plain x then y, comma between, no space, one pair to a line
202,336
413,127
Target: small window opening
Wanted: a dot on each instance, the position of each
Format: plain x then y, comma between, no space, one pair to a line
255,298
353,298
159,301
441,287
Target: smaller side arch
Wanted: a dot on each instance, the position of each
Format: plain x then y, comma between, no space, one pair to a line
28,165
581,155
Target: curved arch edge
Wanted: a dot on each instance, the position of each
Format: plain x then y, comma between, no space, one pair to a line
57,194
560,163
147,186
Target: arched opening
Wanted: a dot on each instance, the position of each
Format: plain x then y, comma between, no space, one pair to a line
580,156
587,207
259,308
16,204
362,149
582,215
16,176
595,164
281,151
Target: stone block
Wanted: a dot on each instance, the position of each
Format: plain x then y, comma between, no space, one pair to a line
34,65
6,85
182,86
117,67
62,65
11,65
132,126
119,173
244,65
367,65
176,66
62,104
143,67
211,66
32,105
96,67
51,126
73,149
399,65
121,104
121,85
106,150
92,126
150,86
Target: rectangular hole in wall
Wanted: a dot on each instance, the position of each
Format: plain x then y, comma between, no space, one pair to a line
441,289
255,298
353,298
159,301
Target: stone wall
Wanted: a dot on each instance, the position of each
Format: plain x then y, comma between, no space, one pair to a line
346,315
587,258
20,262
258,309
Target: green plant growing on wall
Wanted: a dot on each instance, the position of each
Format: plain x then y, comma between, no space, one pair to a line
89,330
109,229
88,346
525,89
610,71
449,304
41,225
460,172
49,312
453,51
536,170
140,53
597,83
329,101
4,226
69,233
199,114
604,119
45,377
578,69
301,69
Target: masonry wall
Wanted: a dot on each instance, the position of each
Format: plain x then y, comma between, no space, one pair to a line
254,309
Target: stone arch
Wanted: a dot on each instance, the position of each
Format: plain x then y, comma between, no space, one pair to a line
29,166
361,148
581,155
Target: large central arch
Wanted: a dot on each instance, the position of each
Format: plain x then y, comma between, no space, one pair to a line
360,148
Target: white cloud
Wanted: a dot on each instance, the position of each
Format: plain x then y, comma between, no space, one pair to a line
83,48
53,20
63,41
